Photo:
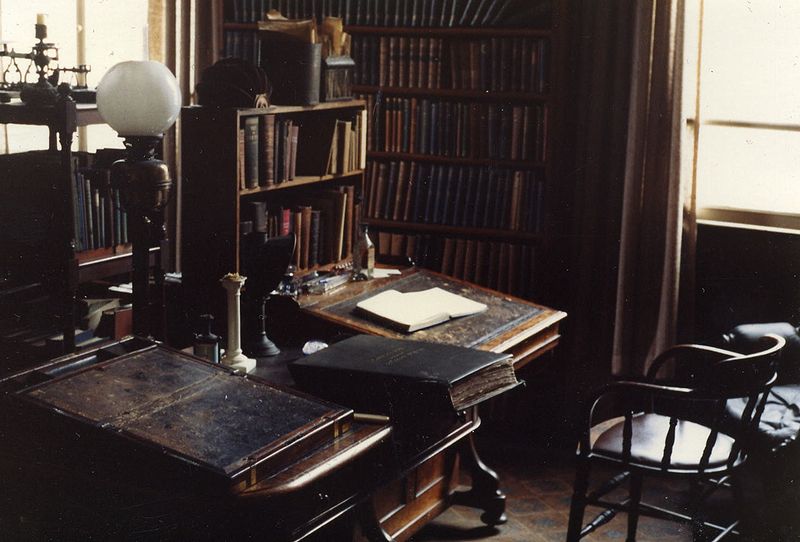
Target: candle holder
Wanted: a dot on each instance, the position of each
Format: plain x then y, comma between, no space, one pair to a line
234,358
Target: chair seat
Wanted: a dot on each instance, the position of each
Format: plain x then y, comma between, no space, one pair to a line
647,444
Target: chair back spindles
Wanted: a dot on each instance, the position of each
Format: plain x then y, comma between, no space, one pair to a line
680,426
669,442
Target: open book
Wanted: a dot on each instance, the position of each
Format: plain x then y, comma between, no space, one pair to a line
411,311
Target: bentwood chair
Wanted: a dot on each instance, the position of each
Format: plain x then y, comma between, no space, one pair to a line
672,428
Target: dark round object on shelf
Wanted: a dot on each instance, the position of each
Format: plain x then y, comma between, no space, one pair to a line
233,82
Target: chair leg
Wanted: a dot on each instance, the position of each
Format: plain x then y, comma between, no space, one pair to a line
578,504
635,496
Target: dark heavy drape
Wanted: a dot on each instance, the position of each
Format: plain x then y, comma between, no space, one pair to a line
628,219
591,180
185,36
655,286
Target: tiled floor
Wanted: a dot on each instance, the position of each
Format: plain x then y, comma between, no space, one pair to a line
538,492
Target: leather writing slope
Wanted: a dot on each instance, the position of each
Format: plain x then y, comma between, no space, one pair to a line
238,429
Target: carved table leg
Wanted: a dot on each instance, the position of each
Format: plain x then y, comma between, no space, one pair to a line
367,517
485,491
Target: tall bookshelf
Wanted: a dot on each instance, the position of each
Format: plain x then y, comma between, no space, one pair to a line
232,181
62,226
463,100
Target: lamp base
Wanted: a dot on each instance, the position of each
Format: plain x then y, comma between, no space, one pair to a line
239,362
263,347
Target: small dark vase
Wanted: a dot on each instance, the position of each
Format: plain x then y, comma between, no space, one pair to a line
264,262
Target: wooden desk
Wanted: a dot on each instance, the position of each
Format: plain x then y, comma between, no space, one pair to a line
134,441
427,484
524,329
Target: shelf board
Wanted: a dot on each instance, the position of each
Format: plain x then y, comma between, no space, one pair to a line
283,109
511,164
105,262
458,31
441,229
482,95
299,181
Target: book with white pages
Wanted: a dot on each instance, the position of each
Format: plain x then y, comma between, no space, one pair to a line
411,311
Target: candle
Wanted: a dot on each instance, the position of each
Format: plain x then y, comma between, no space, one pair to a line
41,18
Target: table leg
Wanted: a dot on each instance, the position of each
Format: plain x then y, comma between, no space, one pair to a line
367,517
485,491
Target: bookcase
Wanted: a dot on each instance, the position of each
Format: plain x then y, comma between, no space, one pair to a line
464,104
283,170
61,225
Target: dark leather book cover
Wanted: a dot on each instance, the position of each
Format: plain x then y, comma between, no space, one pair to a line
267,151
305,235
405,139
467,12
398,377
505,55
470,197
481,265
433,124
422,65
349,217
408,204
391,188
280,150
434,48
313,243
440,201
422,190
470,260
453,13
502,268
459,190
458,258
449,191
400,192
425,11
430,200
293,69
516,132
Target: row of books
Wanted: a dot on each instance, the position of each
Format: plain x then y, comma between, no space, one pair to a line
458,129
504,64
422,13
503,266
269,147
100,220
323,222
267,151
456,196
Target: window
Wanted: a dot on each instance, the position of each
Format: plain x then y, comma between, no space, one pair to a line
99,33
748,119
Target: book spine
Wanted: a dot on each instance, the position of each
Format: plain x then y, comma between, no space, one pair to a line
267,166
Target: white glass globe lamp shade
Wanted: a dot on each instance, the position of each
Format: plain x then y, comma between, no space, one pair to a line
139,98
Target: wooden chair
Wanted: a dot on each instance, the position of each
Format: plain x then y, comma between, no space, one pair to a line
674,428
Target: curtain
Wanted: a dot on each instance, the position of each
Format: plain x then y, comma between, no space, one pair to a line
655,280
185,35
592,154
